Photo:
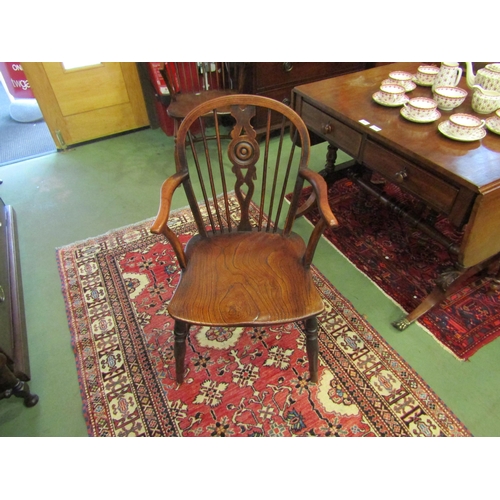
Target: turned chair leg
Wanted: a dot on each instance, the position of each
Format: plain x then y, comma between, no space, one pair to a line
311,326
181,330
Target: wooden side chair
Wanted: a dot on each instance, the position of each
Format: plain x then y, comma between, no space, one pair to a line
241,268
191,84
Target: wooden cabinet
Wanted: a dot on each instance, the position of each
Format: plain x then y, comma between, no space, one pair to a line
277,79
14,361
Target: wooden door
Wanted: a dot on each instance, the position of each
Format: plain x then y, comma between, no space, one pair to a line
87,102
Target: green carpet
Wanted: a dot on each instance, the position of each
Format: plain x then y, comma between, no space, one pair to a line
70,196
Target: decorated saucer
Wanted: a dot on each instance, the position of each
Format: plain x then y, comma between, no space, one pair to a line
377,98
409,86
493,124
444,128
435,115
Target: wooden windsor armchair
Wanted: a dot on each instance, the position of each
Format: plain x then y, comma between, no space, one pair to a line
241,269
191,84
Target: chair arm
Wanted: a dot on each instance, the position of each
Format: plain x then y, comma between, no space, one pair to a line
327,219
321,192
160,224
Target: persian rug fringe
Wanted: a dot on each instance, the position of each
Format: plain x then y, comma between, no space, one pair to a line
101,236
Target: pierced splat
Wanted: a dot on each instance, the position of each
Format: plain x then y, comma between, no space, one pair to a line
243,153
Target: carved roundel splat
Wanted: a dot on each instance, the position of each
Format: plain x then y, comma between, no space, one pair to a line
243,151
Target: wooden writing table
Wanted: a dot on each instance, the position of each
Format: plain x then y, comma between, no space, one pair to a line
458,179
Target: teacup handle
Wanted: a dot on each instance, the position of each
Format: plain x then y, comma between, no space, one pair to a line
459,75
481,125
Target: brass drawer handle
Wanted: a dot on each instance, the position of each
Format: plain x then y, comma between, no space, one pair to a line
400,176
327,129
287,67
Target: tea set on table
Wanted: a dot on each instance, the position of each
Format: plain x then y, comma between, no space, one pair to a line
446,96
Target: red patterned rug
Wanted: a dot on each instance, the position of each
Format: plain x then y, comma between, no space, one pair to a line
405,263
240,382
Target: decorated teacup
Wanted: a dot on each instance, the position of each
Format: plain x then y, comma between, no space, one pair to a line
421,108
426,74
402,78
449,98
464,125
391,93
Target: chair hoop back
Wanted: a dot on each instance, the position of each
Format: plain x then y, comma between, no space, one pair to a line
247,162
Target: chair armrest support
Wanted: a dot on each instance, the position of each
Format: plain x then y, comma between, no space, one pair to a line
321,192
160,225
327,219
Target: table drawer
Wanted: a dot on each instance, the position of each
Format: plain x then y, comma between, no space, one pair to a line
331,129
435,191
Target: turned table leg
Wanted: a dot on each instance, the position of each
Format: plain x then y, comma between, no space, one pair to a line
331,158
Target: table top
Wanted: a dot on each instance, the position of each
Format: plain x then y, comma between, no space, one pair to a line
348,98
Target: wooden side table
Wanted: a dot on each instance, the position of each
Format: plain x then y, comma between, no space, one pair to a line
460,180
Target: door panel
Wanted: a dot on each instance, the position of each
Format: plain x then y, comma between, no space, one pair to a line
76,88
87,103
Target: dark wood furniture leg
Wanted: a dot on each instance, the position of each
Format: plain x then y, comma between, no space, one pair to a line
181,330
10,385
331,157
331,173
447,283
311,327
494,271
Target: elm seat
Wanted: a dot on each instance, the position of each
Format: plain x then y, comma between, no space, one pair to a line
245,266
245,279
